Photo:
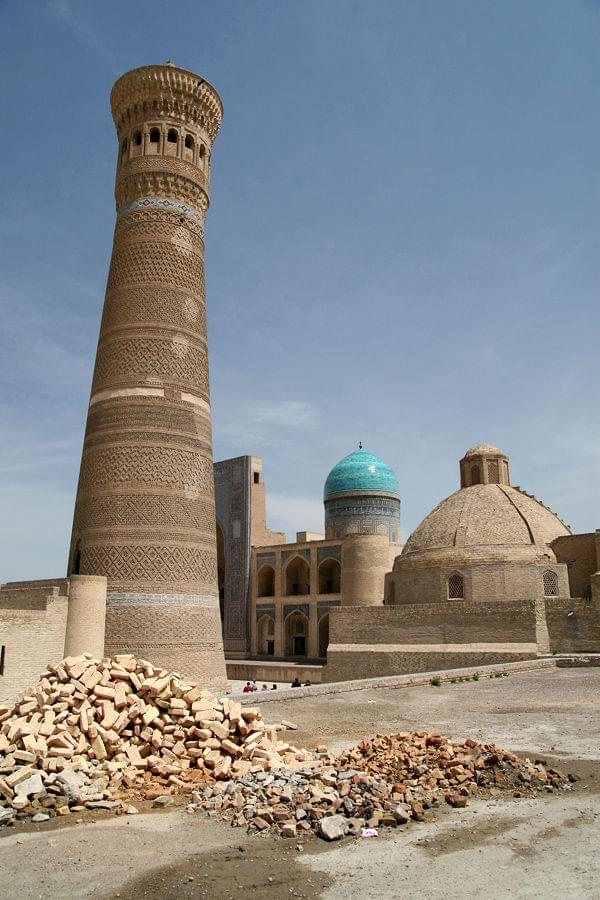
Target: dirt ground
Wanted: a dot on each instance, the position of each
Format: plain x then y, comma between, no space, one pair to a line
543,846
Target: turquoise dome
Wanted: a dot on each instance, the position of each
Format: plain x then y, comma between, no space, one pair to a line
361,471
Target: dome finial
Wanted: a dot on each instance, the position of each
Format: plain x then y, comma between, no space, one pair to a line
360,445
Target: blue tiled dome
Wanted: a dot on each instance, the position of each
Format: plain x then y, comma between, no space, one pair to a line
361,471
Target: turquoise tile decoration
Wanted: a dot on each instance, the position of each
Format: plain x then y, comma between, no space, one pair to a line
361,471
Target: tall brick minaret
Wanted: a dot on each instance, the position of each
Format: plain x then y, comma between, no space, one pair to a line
145,513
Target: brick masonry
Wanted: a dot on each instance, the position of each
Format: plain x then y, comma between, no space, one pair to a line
145,511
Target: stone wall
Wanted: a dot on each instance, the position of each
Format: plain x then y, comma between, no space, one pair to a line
573,625
365,643
33,619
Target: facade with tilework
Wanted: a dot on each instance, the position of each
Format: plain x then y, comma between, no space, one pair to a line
295,586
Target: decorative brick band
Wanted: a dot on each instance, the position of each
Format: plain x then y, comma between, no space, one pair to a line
162,203
135,598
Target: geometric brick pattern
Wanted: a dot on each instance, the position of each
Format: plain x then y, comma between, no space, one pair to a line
154,261
153,304
161,466
550,580
151,511
177,360
152,563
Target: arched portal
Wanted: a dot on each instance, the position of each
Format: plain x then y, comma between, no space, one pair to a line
266,636
266,581
296,634
297,577
323,635
329,577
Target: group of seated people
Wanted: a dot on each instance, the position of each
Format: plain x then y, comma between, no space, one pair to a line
251,686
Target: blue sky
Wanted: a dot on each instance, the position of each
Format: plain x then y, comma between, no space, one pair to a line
402,248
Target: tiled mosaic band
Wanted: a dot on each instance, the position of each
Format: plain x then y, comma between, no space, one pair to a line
161,203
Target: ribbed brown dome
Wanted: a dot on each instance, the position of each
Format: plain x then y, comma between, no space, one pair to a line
484,450
484,521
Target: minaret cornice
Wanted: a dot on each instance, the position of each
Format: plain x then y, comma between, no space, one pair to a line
166,91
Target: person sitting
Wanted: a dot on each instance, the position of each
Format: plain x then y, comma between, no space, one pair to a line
307,683
247,689
295,682
274,688
264,688
253,686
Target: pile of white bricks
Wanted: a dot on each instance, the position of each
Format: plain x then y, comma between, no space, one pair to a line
133,724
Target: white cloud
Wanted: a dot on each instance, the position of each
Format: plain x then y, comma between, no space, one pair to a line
252,421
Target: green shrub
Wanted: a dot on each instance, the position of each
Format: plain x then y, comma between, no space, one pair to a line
436,681
475,677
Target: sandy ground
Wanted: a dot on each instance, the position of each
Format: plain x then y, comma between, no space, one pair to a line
534,847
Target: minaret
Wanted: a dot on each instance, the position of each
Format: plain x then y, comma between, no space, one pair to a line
145,511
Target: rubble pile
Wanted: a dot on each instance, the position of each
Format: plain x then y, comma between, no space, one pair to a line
384,781
98,734
91,729
428,763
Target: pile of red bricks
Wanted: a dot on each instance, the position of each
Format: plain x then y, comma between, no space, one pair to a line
385,781
422,765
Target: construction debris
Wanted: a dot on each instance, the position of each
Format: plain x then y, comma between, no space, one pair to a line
92,729
388,780
97,734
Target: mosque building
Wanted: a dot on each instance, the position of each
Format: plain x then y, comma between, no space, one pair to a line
276,596
490,575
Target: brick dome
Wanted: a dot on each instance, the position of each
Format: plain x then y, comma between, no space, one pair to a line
484,450
494,522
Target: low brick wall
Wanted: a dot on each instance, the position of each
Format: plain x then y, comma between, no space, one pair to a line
397,681
33,618
269,672
422,637
573,625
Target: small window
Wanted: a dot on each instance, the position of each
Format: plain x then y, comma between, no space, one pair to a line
189,142
172,136
550,584
475,475
202,152
456,587
493,472
137,138
154,135
257,478
2,653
